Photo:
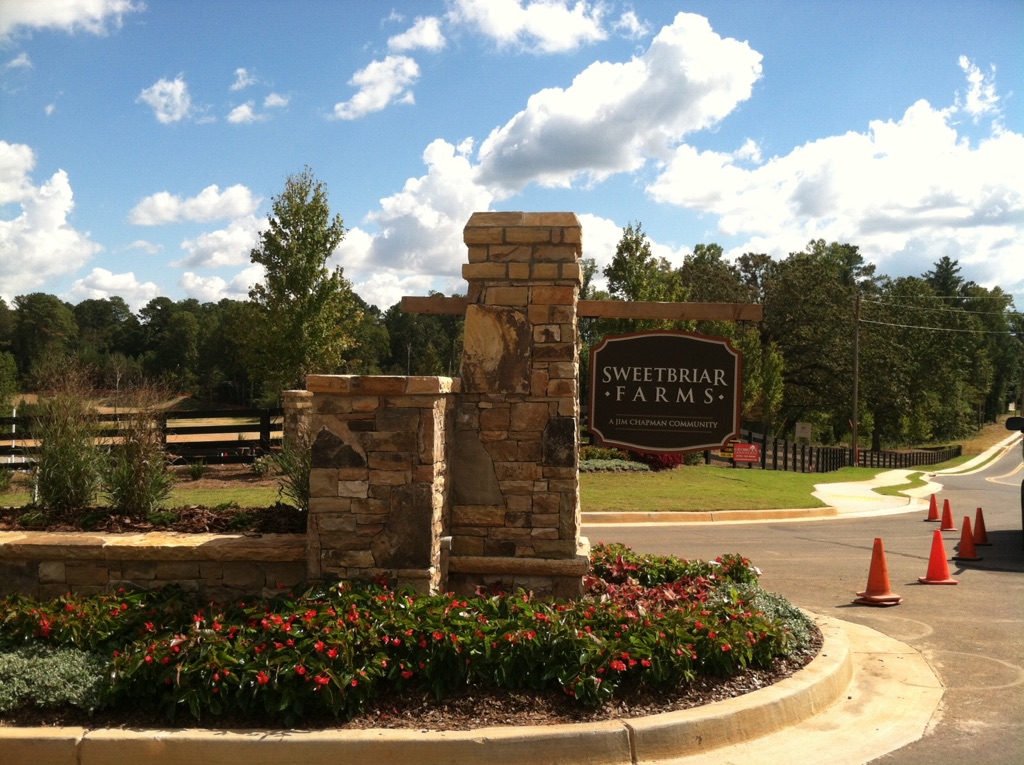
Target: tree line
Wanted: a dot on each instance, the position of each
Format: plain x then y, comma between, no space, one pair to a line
938,355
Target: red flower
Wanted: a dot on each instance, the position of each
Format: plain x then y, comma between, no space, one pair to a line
300,670
262,678
407,674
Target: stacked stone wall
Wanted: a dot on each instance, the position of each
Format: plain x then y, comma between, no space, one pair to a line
217,566
379,477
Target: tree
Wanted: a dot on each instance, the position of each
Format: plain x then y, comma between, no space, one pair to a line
808,314
635,274
945,278
8,382
6,325
708,277
305,311
106,325
45,331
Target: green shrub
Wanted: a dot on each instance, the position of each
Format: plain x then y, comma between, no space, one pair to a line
6,479
588,452
34,519
162,517
50,678
68,460
612,466
136,474
262,466
294,462
196,470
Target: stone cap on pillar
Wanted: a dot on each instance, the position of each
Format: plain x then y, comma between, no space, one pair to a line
382,385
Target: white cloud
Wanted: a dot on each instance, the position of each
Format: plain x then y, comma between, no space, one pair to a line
169,100
418,247
982,98
384,289
39,242
214,288
275,101
424,33
101,283
93,16
615,116
21,61
380,84
907,192
543,26
149,248
16,162
210,204
630,26
229,246
243,79
244,114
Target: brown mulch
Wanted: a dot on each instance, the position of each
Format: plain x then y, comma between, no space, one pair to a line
468,710
191,519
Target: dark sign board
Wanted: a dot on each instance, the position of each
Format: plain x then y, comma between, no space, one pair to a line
665,392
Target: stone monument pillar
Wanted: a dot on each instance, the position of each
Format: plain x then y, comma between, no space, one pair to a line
515,515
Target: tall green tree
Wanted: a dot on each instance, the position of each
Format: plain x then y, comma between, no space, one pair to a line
45,332
6,325
8,382
809,315
305,311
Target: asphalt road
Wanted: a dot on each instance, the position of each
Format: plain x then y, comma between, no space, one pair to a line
971,634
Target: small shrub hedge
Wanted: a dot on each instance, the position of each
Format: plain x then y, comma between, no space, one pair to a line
644,621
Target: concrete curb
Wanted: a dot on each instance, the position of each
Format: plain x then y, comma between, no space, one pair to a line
615,742
714,516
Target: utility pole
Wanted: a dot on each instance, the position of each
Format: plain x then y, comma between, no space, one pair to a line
856,379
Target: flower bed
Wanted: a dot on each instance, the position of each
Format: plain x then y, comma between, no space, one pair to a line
646,622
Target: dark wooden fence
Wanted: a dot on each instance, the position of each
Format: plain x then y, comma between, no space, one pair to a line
781,454
213,436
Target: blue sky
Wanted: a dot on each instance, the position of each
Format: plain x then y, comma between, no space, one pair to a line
141,143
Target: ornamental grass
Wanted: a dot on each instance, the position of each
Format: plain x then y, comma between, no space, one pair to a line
328,650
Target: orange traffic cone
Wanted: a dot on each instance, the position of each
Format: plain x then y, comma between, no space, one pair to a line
938,568
933,510
947,517
966,550
980,535
878,592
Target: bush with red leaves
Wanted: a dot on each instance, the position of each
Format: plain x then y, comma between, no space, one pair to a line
659,461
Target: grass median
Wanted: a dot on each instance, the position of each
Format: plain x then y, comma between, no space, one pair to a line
707,488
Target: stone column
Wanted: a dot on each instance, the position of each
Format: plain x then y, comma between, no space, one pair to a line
298,412
379,477
515,516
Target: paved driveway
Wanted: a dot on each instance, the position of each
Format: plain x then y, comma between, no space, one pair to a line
972,634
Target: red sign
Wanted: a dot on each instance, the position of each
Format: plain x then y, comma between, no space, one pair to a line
746,453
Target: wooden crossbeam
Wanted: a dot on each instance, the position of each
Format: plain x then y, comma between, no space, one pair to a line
610,309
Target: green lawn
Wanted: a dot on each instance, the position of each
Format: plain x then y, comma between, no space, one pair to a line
685,489
697,488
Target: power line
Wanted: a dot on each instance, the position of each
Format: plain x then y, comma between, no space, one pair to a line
940,329
940,310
